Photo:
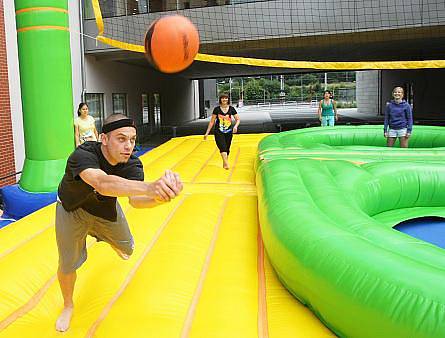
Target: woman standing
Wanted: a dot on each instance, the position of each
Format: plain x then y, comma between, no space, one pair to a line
398,119
223,127
84,125
327,110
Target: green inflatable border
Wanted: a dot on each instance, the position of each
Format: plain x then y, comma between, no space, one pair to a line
326,221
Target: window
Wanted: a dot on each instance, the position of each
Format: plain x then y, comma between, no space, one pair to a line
112,8
119,103
96,108
137,7
145,109
88,12
157,109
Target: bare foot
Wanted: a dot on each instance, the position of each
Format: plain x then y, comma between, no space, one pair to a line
226,166
63,322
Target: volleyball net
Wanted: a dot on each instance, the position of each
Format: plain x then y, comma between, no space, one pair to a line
300,34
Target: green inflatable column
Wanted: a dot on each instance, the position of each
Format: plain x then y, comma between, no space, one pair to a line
45,77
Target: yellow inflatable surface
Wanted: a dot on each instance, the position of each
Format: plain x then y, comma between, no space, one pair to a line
198,269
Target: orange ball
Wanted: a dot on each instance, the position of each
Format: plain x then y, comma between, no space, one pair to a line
171,43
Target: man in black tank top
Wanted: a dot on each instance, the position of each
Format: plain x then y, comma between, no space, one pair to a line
96,174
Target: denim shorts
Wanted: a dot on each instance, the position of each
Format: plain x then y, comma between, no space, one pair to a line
397,132
328,121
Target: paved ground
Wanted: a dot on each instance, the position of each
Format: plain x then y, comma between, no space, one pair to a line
268,118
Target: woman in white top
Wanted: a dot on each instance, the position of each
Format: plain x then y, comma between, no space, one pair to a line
84,125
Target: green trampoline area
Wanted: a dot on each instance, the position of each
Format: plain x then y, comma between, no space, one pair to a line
329,199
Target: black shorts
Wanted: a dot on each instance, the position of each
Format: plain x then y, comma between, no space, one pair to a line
223,141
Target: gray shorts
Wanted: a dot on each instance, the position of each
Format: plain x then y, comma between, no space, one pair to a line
72,228
397,132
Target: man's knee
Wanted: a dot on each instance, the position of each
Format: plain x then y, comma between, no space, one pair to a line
71,264
126,247
129,249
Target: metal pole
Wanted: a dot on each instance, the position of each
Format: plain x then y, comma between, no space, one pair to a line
282,93
230,90
242,89
325,81
82,51
301,89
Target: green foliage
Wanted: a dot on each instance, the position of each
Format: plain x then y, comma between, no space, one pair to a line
300,87
253,90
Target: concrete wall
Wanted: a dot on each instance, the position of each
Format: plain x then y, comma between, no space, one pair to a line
210,95
427,87
14,85
367,91
74,8
178,103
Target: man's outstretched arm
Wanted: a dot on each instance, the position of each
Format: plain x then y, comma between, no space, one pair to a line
148,202
110,185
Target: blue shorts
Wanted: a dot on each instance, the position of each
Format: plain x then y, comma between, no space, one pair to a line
328,121
397,132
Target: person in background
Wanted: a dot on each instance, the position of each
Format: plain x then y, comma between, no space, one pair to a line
222,119
327,110
398,119
84,126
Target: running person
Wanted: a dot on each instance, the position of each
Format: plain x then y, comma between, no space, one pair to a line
96,174
222,119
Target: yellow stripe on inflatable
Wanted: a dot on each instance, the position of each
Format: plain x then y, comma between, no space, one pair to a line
36,9
228,305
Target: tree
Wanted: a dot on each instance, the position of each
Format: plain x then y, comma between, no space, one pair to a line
294,92
310,79
312,89
253,91
223,88
272,87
